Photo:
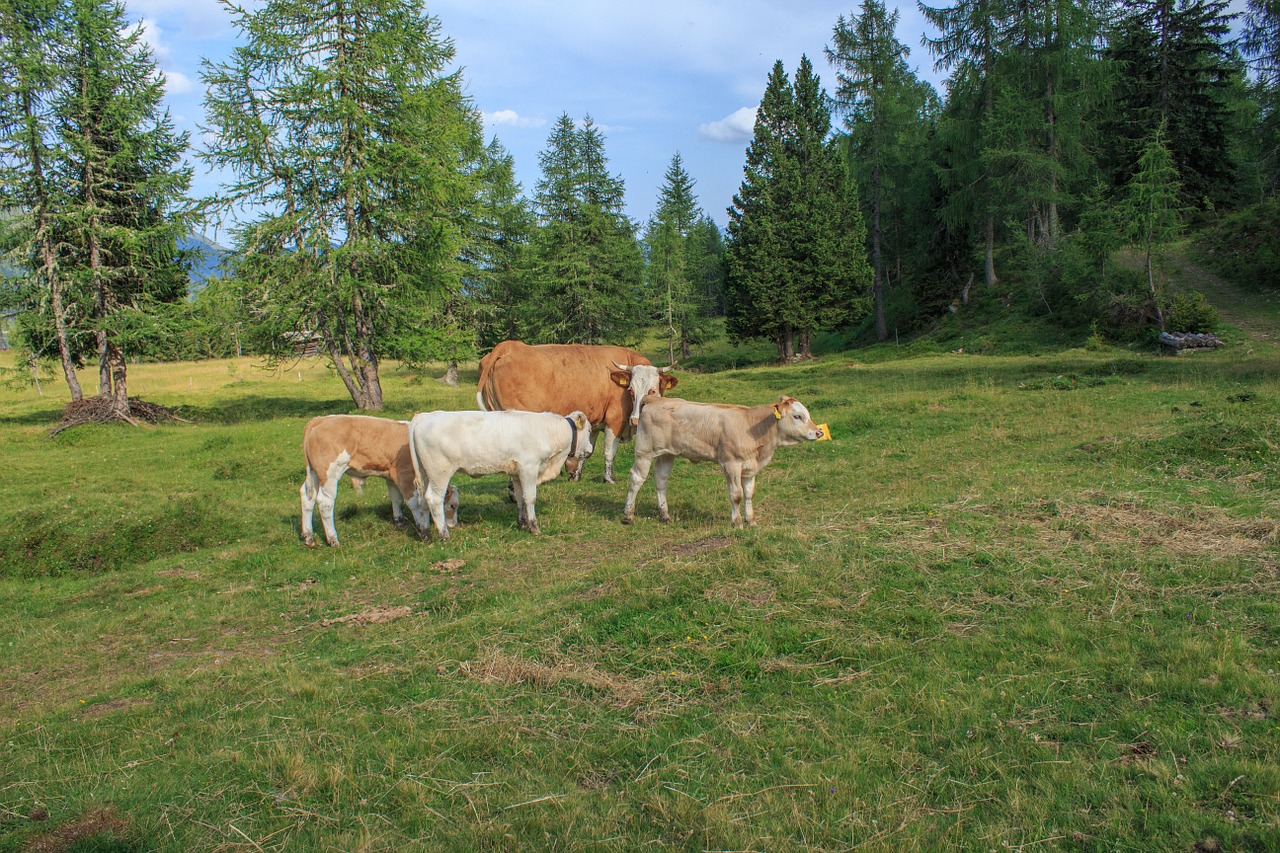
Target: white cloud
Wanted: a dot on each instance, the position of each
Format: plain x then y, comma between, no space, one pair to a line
511,118
151,35
177,83
734,128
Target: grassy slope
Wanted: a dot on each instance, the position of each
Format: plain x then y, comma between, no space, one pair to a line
1018,601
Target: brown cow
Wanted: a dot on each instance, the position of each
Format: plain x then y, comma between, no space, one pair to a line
333,445
741,439
564,378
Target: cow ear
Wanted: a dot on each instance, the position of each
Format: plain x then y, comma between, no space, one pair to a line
621,377
668,382
581,422
777,411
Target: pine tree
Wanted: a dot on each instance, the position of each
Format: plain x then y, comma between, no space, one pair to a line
671,269
1151,207
796,263
340,123
1173,70
585,261
124,203
1260,42
887,111
972,38
503,227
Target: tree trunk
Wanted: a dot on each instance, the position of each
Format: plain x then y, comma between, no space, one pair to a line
1151,284
877,272
450,377
990,262
64,342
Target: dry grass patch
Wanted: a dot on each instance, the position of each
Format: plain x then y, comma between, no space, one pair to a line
369,616
753,592
1203,530
495,667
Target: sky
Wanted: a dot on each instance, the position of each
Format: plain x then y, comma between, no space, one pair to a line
658,77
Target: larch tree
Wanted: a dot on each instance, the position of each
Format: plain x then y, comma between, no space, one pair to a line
1260,42
886,109
124,202
353,152
1151,208
503,224
33,53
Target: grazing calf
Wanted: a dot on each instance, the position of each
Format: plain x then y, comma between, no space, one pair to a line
362,447
740,439
529,447
604,383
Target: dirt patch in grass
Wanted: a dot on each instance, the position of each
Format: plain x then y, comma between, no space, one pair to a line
92,831
369,616
701,546
101,709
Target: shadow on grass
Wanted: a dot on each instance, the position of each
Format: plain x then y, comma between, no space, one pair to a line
248,409
42,417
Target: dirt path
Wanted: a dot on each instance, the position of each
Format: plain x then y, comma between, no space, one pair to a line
1254,312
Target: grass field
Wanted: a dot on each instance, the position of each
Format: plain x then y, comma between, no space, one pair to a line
1019,603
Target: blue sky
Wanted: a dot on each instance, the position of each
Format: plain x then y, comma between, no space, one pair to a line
659,76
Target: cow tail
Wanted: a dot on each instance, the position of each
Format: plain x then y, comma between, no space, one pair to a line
480,401
419,485
486,370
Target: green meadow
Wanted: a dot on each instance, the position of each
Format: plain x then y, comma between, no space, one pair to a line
1021,602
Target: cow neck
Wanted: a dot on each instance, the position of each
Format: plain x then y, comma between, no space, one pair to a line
573,430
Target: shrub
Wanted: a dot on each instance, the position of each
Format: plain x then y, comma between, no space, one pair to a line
1191,312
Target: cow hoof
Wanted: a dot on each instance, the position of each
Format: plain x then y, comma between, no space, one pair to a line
627,519
398,522
333,543
309,541
608,478
665,518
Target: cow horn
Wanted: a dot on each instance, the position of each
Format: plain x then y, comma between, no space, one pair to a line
625,367
670,367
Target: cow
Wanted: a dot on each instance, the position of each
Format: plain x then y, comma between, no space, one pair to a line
741,439
361,447
563,378
529,447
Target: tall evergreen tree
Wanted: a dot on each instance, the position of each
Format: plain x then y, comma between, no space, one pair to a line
972,38
671,261
796,263
340,122
503,226
886,111
33,53
585,261
1173,71
1152,209
124,204
1260,42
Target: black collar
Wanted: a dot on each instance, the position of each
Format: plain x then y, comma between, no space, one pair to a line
573,428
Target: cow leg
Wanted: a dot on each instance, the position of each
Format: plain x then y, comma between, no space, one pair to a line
436,488
611,442
397,500
639,473
421,518
733,476
310,491
527,483
661,474
327,497
748,493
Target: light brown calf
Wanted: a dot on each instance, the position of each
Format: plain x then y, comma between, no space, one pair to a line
741,439
362,447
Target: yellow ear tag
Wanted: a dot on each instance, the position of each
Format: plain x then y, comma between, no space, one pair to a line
622,382
826,432
579,422
776,413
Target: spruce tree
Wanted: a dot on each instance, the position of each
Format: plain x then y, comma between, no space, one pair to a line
1260,42
344,129
671,263
585,262
502,225
796,262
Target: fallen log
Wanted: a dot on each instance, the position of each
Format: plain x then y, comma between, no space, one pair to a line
1172,343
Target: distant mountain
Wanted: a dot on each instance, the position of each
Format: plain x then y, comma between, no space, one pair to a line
206,255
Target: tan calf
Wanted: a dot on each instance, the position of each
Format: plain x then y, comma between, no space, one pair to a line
741,439
362,447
